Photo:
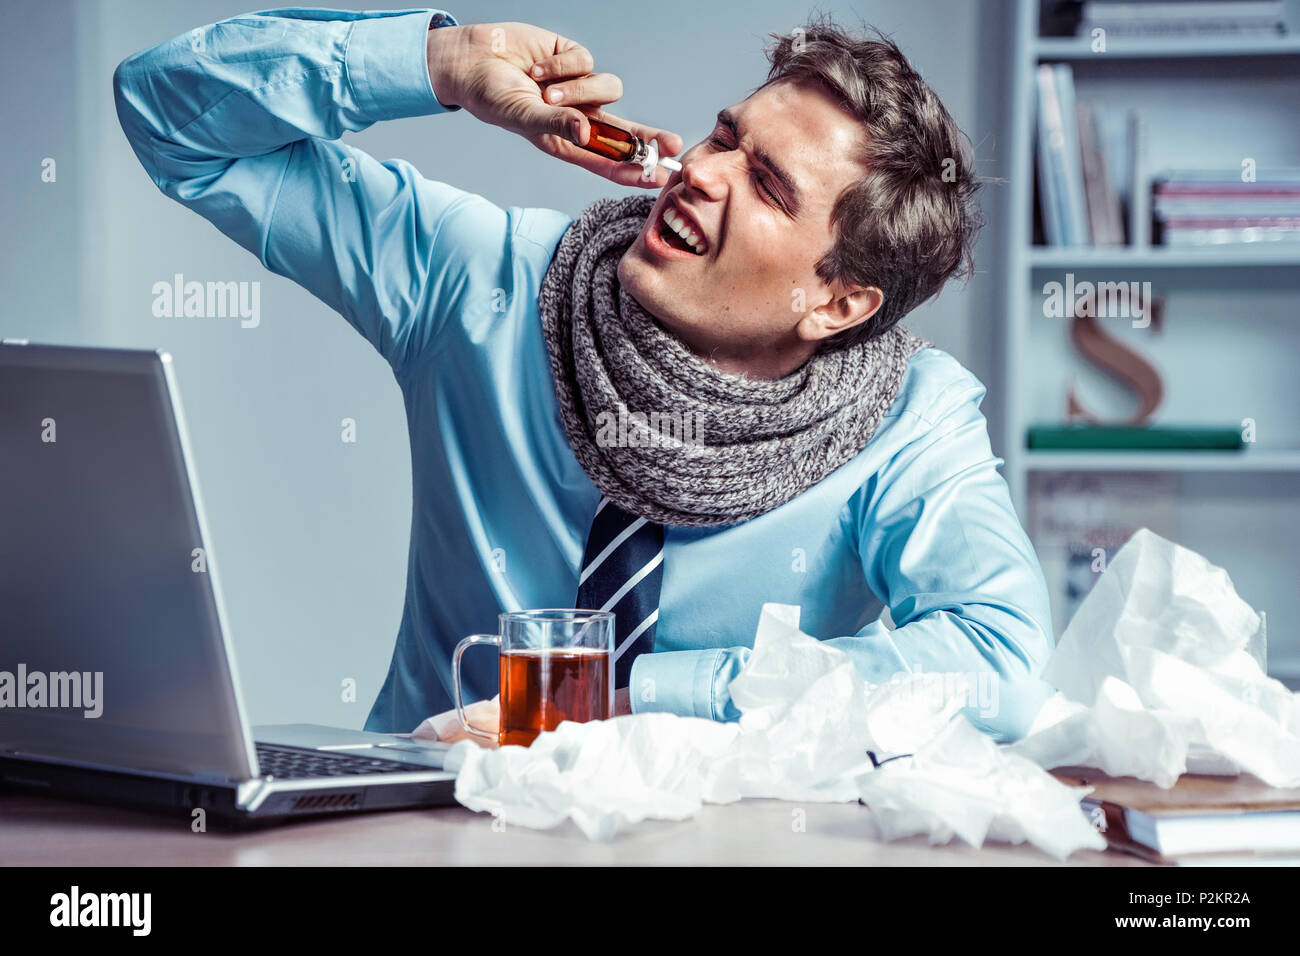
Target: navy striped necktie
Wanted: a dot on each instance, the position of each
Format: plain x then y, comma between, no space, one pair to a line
622,571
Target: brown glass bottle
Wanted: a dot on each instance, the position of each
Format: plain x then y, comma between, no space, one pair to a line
616,143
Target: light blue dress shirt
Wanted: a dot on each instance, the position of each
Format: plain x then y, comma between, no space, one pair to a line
240,121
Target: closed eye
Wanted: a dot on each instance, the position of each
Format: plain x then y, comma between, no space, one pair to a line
716,141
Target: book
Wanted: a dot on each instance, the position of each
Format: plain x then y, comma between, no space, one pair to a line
1103,205
1184,19
1265,176
1051,147
1139,189
1183,233
1077,231
1202,819
1205,207
1134,437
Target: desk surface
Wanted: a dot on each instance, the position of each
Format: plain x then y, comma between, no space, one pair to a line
49,832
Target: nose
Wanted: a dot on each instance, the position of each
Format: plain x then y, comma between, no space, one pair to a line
701,172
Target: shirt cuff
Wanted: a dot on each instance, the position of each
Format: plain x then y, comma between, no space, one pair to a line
687,683
388,65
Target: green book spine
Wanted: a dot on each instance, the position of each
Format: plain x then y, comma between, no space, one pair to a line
1134,438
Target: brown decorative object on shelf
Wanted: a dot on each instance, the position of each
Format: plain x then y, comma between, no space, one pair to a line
1118,361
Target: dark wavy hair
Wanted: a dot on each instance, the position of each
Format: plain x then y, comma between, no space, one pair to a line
910,223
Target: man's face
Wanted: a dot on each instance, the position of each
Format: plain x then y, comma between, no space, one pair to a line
758,194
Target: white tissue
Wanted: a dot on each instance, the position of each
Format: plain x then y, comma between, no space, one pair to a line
802,703
962,783
1156,678
807,720
1117,735
604,774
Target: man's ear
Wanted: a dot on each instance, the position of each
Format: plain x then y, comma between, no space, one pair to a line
844,310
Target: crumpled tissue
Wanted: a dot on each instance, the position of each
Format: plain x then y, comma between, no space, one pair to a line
807,721
1159,673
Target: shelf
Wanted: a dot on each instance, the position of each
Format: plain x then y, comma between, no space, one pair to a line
1158,257
1231,342
1251,460
1080,48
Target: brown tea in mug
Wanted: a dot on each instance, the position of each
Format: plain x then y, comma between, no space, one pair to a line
541,688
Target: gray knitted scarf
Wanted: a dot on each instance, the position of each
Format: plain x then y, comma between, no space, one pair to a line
666,435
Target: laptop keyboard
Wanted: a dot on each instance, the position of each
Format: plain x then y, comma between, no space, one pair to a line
293,763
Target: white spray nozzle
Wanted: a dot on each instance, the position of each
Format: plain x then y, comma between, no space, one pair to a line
652,160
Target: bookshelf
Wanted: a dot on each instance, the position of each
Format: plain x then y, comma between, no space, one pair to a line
1062,49
1229,348
1155,257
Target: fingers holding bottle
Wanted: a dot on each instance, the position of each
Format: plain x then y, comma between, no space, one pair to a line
542,86
617,149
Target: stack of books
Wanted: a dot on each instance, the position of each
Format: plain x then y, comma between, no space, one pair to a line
1078,202
1198,18
1214,207
1202,820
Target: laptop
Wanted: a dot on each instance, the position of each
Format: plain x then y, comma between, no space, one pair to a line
117,673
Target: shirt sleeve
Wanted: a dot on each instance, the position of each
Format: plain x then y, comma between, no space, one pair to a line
240,121
941,544
689,683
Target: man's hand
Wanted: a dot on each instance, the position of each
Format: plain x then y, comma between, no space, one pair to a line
485,715
499,72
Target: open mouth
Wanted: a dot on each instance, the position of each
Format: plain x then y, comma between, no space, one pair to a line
677,232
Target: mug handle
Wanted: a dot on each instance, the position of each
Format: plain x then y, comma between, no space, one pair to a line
461,648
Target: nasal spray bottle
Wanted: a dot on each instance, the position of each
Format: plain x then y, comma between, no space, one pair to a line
618,144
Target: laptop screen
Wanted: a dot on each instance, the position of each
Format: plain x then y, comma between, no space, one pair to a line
111,647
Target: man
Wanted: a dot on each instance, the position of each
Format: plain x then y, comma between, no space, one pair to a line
676,407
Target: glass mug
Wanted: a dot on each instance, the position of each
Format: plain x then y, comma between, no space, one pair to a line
555,665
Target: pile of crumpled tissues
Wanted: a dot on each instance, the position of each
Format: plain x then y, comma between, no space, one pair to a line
1155,668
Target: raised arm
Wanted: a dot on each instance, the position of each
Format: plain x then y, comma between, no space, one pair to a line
240,122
